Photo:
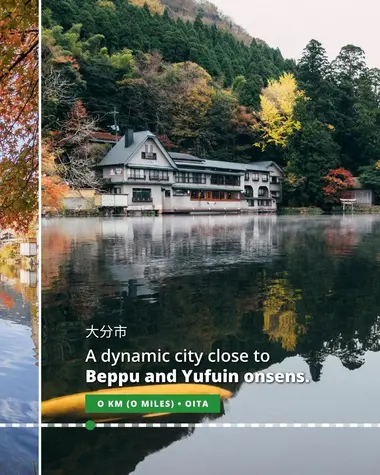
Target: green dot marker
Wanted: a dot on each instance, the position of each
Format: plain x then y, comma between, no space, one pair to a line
90,425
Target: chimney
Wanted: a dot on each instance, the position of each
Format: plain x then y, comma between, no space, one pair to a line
128,137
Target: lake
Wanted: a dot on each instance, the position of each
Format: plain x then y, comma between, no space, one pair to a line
305,290
18,374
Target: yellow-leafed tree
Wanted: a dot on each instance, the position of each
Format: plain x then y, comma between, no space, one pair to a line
155,6
276,119
280,314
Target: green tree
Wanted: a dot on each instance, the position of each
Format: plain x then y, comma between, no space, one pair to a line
369,177
310,154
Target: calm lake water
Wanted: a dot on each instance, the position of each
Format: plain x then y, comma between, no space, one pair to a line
306,290
18,377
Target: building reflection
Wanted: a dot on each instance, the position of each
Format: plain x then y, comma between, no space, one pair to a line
306,288
19,294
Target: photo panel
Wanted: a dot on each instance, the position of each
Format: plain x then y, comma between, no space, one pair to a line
210,235
19,232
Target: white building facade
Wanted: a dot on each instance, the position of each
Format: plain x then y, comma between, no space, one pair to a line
141,175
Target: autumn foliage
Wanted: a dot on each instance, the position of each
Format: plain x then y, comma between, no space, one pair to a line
338,181
6,301
19,113
276,119
53,188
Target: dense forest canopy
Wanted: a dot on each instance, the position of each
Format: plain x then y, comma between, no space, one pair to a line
208,91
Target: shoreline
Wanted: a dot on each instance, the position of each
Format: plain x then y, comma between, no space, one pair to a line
306,210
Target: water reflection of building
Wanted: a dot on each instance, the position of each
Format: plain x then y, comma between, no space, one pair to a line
207,275
344,235
20,291
151,248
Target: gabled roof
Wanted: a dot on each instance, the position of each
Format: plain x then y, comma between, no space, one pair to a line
120,154
264,165
184,157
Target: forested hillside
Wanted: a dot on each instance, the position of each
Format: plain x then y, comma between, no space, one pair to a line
189,9
205,91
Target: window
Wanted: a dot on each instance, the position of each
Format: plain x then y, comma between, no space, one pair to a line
141,194
218,195
275,179
149,154
154,175
185,177
248,192
265,177
276,194
167,193
118,171
255,177
201,195
246,176
160,175
117,190
263,191
112,172
181,177
136,174
198,178
229,180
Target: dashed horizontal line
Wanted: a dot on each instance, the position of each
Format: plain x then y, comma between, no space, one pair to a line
17,425
225,425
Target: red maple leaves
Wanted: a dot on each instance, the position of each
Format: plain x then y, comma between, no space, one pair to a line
338,181
18,113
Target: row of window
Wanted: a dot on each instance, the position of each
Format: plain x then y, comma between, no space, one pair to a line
201,195
183,177
256,177
137,174
145,195
261,203
228,180
186,177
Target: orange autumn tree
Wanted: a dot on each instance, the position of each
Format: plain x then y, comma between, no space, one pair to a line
6,300
18,113
52,186
338,182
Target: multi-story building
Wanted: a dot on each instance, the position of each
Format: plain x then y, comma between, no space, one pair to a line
140,174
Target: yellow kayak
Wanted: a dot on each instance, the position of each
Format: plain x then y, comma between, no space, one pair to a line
73,407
